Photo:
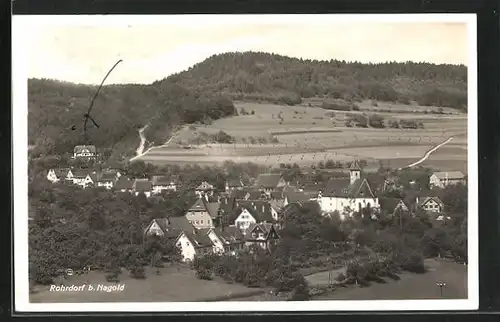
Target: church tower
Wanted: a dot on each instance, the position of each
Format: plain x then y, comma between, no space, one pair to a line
355,171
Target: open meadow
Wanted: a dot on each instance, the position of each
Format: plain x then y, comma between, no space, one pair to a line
174,284
271,134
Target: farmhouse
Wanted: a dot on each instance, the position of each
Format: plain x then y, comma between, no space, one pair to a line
107,180
390,206
202,213
268,182
430,204
164,183
193,244
84,151
263,235
234,184
57,175
250,212
347,195
84,178
142,186
170,227
123,184
205,189
443,179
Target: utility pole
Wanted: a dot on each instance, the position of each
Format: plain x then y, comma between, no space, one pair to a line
441,285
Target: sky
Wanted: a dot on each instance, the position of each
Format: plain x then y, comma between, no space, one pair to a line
83,53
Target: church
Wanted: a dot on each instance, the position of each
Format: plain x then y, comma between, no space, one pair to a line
347,195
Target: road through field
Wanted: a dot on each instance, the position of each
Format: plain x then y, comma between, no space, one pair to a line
428,153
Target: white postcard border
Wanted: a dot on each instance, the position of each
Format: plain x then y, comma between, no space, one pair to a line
20,38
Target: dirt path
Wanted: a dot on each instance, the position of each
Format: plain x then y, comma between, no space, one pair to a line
140,150
322,278
428,153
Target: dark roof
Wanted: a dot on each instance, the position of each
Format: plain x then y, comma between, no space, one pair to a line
123,183
80,148
80,173
268,180
238,194
389,204
297,196
199,205
259,209
199,239
172,227
342,188
424,200
204,186
108,176
234,183
265,227
180,223
256,194
213,209
229,235
142,185
355,166
161,180
277,195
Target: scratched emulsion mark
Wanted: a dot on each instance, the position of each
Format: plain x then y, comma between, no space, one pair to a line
87,115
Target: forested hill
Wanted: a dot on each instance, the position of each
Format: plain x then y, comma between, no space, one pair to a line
56,114
205,92
263,76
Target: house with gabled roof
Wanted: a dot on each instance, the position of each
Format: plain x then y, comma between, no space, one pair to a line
142,186
390,206
268,182
226,240
84,178
205,190
123,184
446,178
84,151
430,204
250,212
192,244
234,184
263,235
168,227
59,174
298,197
107,180
347,195
202,214
164,183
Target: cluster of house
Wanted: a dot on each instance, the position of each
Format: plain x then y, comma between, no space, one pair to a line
242,216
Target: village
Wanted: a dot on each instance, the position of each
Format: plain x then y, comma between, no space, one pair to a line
243,216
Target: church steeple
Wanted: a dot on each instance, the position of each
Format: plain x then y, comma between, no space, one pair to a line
354,171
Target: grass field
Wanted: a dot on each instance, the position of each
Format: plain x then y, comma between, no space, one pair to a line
173,285
410,286
308,135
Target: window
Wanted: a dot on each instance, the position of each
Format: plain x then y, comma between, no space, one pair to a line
261,235
201,222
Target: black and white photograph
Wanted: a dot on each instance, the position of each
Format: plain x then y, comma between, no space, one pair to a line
209,163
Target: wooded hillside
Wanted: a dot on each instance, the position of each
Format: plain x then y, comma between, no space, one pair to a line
204,92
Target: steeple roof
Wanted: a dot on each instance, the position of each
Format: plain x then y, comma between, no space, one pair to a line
355,166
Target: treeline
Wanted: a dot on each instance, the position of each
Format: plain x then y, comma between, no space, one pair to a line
56,114
259,76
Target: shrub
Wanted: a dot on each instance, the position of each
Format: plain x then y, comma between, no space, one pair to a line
376,121
204,273
138,272
394,124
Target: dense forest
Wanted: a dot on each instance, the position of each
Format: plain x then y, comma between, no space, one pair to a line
205,92
263,76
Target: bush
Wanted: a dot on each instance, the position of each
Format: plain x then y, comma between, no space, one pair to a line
138,272
204,273
394,124
376,121
300,293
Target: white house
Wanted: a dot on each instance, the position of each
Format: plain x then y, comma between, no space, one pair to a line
107,180
56,175
431,204
193,244
443,179
84,178
205,189
253,212
163,183
347,195
84,151
142,186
